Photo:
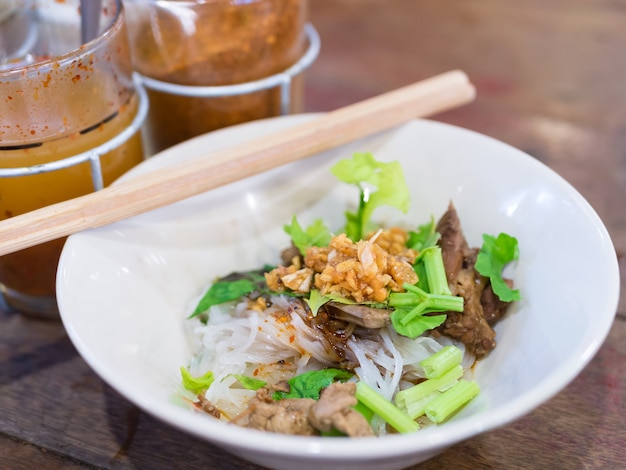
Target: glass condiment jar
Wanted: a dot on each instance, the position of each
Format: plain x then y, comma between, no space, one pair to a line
69,124
214,63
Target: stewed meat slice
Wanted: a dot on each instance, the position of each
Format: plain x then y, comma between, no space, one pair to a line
362,315
335,409
453,244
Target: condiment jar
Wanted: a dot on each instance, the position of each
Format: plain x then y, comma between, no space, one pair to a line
70,116
214,63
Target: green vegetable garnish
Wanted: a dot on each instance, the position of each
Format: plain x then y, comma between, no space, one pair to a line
431,260
444,392
425,236
364,171
221,292
310,384
413,323
442,361
409,317
450,401
415,399
430,295
196,384
385,409
232,288
316,234
316,301
249,383
494,255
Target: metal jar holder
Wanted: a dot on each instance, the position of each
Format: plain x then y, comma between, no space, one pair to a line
282,80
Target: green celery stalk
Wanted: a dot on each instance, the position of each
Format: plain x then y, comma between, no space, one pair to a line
416,311
414,400
435,271
385,409
410,307
403,299
424,302
422,278
431,294
457,396
442,361
443,303
417,408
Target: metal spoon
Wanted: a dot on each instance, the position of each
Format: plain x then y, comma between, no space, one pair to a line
90,19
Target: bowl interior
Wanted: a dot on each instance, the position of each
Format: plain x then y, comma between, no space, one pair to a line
124,289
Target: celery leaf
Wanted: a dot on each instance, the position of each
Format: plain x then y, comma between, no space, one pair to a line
316,234
425,236
417,326
315,301
310,384
364,171
494,255
196,384
249,383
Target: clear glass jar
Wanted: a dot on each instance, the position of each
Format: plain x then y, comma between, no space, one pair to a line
62,103
213,43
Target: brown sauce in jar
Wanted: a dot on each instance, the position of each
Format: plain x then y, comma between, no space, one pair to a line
227,44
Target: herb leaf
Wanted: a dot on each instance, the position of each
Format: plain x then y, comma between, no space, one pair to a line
417,325
223,291
315,301
249,383
232,287
196,384
425,236
316,234
363,170
494,255
310,384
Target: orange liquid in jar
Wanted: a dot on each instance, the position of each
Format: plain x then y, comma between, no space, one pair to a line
32,272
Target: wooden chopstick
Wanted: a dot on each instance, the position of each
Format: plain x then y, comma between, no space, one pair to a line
172,184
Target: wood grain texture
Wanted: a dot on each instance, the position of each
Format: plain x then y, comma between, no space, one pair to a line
550,81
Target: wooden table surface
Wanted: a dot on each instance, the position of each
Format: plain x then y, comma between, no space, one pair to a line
551,80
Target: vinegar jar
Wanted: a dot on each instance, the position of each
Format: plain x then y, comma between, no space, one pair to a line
70,116
209,64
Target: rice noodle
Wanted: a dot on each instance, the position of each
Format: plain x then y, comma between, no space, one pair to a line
277,343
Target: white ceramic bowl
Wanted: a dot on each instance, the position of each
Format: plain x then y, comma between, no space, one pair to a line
124,289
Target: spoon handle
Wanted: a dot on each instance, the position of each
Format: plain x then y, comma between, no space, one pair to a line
89,19
172,184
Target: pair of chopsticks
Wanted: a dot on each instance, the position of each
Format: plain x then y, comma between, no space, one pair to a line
162,187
